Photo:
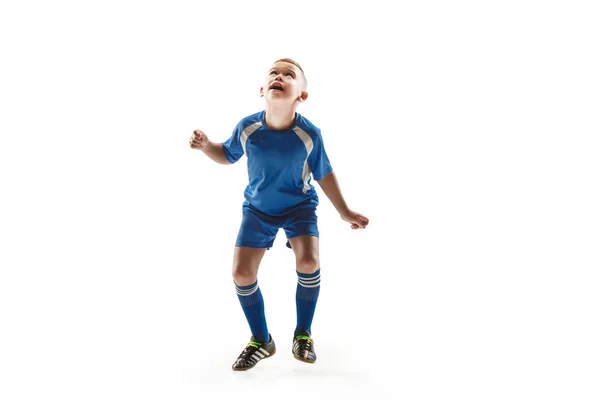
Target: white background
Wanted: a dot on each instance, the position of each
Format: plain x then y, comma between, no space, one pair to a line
466,131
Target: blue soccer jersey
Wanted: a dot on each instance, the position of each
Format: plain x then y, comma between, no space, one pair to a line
280,163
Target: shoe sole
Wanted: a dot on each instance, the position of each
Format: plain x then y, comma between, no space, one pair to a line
247,368
306,360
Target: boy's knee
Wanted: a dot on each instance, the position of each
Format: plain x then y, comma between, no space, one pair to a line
307,264
243,275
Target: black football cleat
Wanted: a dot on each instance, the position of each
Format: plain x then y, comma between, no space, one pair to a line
304,348
253,353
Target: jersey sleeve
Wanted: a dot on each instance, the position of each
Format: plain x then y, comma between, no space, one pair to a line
232,147
317,160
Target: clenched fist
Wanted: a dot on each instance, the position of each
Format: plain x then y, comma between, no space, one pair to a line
356,220
199,140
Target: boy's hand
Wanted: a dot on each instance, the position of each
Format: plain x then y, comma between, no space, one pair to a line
356,220
199,140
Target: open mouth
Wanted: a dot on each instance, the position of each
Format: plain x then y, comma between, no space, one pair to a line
276,86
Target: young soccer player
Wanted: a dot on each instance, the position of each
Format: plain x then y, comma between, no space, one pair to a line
283,149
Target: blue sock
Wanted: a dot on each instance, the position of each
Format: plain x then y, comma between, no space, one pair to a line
254,308
307,293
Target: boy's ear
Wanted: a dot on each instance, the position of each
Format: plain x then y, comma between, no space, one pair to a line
303,96
261,92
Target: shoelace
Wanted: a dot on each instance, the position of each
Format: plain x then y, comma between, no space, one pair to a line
249,350
304,342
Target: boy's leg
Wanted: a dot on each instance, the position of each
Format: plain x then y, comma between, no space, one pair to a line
245,270
246,261
256,235
306,250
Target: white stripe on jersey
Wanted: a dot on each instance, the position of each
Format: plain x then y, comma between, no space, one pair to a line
247,132
308,143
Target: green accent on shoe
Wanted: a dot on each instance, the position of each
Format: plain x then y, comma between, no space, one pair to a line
304,337
254,344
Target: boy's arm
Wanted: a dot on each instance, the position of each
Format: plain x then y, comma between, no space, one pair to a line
331,188
213,150
216,153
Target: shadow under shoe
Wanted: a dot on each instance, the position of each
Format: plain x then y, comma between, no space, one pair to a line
253,353
303,348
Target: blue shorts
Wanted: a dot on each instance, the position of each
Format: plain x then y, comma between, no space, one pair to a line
259,229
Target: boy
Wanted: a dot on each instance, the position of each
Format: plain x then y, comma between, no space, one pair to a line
283,149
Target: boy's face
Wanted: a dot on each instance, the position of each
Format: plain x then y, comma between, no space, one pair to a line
284,84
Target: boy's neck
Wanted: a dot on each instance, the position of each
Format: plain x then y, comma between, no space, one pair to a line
279,118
